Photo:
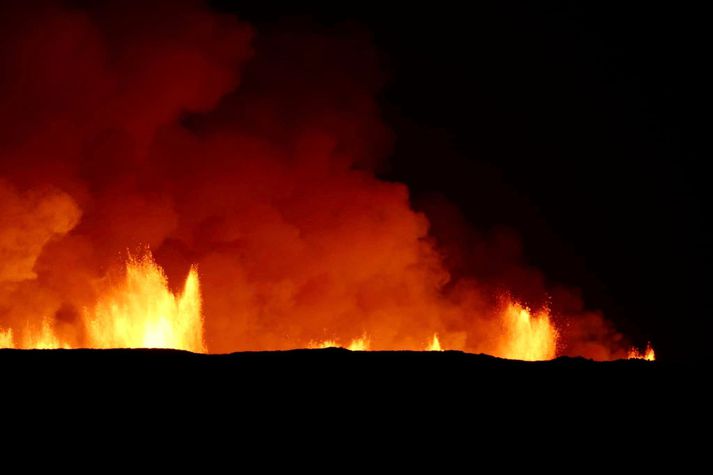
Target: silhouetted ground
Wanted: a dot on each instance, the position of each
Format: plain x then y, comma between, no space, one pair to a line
348,407
411,373
335,389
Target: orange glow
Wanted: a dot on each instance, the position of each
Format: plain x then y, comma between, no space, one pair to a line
41,338
358,344
324,344
527,337
520,336
435,344
138,312
44,338
648,354
6,340
143,313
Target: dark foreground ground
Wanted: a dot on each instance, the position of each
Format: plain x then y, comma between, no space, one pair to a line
336,389
333,367
339,382
338,372
308,406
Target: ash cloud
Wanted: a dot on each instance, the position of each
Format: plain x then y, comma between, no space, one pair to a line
250,154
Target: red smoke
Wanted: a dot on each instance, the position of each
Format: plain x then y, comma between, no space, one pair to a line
251,155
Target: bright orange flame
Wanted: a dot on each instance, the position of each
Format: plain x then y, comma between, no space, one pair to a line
143,313
44,339
140,311
6,340
358,344
324,344
435,344
524,337
41,338
527,337
648,354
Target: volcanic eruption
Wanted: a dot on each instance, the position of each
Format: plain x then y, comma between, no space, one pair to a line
172,178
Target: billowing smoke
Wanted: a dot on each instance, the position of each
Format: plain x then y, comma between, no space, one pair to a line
168,126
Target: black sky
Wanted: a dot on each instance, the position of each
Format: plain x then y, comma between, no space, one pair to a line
578,124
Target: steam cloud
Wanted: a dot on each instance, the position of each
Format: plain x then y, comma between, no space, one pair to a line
252,155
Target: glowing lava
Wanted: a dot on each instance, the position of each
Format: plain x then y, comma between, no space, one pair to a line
324,344
523,336
6,340
358,344
41,338
44,338
527,337
648,354
143,313
138,312
435,344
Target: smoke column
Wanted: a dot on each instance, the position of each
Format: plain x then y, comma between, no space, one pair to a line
251,155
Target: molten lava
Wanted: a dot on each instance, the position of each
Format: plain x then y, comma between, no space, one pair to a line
360,344
435,344
357,344
528,337
138,312
648,354
142,312
6,340
43,338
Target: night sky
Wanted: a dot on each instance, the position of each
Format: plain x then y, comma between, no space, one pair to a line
577,125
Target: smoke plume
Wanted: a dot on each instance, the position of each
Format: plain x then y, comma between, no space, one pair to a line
251,155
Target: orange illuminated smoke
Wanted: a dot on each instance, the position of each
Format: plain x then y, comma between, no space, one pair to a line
142,312
255,160
527,337
648,354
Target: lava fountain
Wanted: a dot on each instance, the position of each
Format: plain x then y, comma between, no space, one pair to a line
142,312
137,312
648,354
